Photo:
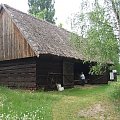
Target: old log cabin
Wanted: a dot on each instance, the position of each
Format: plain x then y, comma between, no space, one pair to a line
35,53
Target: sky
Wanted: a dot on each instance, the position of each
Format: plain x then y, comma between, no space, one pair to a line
64,9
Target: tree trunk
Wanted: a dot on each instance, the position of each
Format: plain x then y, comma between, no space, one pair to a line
117,17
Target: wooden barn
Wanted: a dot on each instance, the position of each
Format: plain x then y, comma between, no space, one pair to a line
35,53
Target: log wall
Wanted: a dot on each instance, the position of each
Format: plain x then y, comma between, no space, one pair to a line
68,73
19,73
54,69
98,79
12,44
49,71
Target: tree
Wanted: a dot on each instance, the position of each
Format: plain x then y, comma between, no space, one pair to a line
101,39
60,25
114,5
42,9
100,42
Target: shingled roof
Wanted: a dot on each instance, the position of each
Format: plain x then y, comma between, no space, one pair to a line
43,37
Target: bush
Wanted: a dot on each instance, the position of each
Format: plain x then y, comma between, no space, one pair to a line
114,94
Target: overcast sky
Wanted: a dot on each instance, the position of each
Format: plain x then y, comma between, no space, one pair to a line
64,8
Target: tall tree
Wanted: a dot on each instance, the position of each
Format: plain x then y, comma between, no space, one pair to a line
102,38
114,7
42,9
100,42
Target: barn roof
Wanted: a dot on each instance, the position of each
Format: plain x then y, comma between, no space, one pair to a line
42,36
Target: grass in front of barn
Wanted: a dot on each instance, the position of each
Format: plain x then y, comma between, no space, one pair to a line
25,105
79,103
89,103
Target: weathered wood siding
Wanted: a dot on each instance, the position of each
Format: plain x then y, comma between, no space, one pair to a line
98,79
19,73
52,69
49,71
68,73
12,44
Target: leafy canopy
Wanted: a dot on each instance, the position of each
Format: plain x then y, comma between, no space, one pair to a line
42,9
100,43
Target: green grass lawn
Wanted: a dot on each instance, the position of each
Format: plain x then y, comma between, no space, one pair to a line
79,103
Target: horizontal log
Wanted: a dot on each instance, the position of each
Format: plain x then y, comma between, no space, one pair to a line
18,67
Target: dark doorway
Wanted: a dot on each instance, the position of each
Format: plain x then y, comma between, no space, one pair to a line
68,74
80,67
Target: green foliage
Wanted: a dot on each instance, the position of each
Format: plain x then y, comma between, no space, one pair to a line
42,9
98,69
100,43
101,37
114,7
60,25
114,93
117,67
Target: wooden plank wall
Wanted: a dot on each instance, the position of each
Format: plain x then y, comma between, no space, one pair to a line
54,68
99,79
1,36
68,73
49,67
12,44
19,73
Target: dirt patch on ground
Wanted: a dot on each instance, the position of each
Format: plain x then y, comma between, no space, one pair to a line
98,112
93,112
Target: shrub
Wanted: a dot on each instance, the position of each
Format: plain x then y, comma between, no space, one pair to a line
114,94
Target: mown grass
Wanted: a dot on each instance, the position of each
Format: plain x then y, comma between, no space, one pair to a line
66,105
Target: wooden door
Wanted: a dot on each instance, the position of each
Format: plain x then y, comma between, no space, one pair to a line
68,74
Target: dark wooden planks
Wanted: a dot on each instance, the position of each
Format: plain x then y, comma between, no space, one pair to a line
53,69
19,73
49,68
98,79
68,73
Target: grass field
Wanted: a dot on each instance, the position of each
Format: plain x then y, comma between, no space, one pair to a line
79,103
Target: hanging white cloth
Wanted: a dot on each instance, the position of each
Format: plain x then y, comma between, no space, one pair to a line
111,76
